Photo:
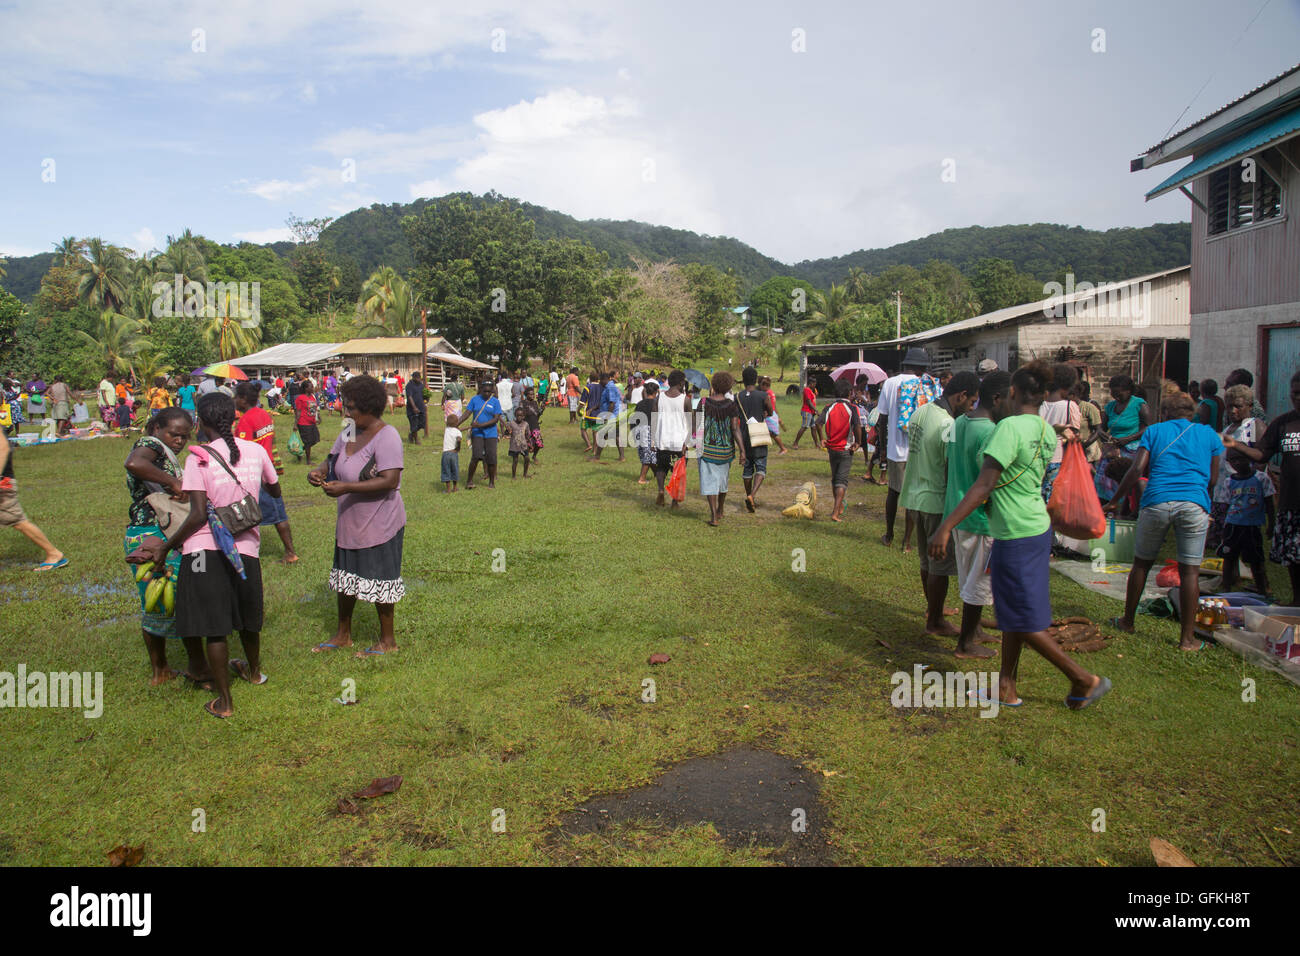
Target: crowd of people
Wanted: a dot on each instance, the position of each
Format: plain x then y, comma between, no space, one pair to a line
971,457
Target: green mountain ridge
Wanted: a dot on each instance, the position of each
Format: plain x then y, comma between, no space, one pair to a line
373,236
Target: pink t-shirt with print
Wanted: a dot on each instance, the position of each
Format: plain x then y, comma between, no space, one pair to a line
254,469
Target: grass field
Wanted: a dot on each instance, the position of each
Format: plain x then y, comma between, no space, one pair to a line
520,692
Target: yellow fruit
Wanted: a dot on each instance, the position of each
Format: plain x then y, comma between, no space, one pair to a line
169,598
152,593
142,572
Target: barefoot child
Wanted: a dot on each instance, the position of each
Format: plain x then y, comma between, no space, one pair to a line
643,432
520,442
451,439
1250,496
533,411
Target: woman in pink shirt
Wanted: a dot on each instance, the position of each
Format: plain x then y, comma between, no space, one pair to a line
365,475
213,595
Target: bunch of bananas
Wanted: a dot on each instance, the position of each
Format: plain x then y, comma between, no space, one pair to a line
159,589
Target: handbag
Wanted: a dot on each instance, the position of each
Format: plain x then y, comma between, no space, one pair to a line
169,512
759,435
245,513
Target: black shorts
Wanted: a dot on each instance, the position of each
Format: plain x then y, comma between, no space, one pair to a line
310,435
211,598
664,460
1242,541
483,449
841,465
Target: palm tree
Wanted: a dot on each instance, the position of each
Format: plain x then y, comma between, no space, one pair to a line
183,259
827,308
103,276
149,364
228,335
3,271
856,284
70,249
334,280
117,339
784,355
388,304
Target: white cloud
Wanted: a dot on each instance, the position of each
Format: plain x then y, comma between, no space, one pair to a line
307,93
280,234
144,240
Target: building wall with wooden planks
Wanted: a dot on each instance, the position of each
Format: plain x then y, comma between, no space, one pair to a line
1255,266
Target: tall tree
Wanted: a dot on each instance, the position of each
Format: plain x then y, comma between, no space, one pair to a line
116,340
103,276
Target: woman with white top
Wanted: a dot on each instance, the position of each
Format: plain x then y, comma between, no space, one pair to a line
1063,414
672,428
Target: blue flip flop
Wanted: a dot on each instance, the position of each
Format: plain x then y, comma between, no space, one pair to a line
1102,688
326,645
51,565
372,652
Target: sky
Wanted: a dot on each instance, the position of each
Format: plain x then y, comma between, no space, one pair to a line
806,129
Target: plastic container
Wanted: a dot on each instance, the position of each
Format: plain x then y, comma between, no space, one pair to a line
1118,543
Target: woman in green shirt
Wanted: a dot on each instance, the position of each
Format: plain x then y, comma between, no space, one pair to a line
1015,459
1126,416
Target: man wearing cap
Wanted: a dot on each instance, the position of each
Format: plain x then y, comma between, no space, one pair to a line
900,396
985,367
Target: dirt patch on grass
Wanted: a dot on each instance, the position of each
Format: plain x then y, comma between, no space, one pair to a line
751,797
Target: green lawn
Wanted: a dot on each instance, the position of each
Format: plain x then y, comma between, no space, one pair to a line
521,691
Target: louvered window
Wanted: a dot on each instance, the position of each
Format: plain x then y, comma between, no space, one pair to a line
1236,202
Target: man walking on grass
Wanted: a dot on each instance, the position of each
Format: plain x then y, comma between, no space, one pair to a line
925,490
843,434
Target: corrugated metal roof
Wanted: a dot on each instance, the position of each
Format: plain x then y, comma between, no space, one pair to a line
1002,315
290,355
381,346
458,360
1284,127
1226,106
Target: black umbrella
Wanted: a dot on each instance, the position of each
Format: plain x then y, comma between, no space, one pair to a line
697,378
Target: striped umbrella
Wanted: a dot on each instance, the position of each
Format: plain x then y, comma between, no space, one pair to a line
223,370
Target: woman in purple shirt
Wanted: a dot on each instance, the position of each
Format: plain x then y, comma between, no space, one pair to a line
364,474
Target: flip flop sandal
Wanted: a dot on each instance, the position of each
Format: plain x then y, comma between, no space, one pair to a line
327,646
200,683
976,695
51,565
208,708
375,651
240,667
1098,692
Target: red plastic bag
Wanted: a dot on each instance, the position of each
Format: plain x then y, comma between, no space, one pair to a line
1074,507
676,486
1167,577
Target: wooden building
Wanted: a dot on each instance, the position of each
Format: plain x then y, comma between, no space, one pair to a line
374,356
1136,327
1243,180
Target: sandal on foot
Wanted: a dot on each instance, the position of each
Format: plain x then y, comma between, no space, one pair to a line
327,646
208,708
1102,688
240,667
51,565
375,651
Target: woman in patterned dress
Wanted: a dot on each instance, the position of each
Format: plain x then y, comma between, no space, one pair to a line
152,467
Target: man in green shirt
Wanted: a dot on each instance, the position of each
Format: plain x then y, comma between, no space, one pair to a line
972,543
925,485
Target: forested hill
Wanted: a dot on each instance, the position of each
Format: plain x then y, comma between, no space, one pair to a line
373,237
1040,250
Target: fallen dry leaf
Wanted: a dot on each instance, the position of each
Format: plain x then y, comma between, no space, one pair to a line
379,786
659,658
1167,854
884,644
125,855
347,806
